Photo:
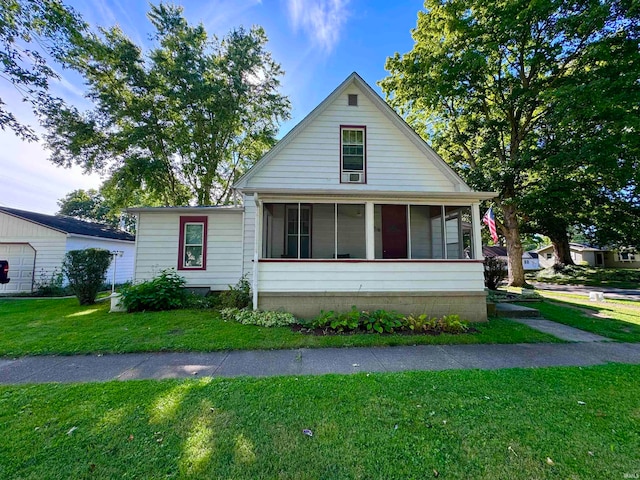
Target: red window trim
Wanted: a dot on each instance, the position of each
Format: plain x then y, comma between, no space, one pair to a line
183,221
366,154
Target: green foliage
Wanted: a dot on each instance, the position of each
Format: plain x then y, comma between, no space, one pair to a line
382,321
530,100
32,33
495,271
237,296
177,124
86,270
91,205
257,317
164,292
447,324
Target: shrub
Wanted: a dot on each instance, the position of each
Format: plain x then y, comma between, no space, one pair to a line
86,270
164,292
495,271
238,296
257,317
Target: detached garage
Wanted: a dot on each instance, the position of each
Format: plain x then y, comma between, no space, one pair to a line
35,245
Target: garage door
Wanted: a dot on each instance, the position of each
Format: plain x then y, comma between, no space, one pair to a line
21,258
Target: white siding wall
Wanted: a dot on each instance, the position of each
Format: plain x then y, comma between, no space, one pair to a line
312,159
50,245
249,236
124,264
371,277
157,248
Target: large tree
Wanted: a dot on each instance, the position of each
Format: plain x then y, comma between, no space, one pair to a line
178,124
32,34
478,81
588,153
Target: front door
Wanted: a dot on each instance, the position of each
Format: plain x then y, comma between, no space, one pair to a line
599,259
394,231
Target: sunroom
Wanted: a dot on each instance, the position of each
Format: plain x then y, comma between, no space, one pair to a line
373,253
338,231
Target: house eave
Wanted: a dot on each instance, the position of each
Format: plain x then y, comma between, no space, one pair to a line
368,194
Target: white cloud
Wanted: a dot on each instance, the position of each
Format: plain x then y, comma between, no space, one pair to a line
322,20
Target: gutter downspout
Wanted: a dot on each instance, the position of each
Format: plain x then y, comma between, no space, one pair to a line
257,232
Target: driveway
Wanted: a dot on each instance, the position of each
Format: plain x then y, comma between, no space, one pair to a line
612,293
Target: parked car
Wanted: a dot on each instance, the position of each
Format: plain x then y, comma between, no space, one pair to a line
4,271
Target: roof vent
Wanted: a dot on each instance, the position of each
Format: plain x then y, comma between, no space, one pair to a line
353,100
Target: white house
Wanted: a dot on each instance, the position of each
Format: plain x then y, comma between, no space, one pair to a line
351,207
529,259
35,245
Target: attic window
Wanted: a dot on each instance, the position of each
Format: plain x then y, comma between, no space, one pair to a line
353,100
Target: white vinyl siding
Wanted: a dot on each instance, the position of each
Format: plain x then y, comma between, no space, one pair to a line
157,248
381,276
312,159
124,264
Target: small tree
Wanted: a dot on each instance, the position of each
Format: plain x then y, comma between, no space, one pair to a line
86,271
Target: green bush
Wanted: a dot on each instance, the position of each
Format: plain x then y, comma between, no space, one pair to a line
257,317
238,296
164,292
495,271
86,270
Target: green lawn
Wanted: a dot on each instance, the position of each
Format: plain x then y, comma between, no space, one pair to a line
592,276
38,327
501,424
618,320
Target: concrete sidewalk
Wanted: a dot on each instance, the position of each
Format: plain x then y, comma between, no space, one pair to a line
89,368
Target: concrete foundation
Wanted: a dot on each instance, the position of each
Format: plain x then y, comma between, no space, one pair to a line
470,306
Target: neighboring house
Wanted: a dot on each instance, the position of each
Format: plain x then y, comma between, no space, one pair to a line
350,208
593,256
529,259
580,254
35,245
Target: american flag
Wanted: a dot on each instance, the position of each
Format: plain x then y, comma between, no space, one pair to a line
489,219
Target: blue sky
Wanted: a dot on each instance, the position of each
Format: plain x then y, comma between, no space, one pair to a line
317,42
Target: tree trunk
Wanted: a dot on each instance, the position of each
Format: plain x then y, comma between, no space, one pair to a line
561,250
511,231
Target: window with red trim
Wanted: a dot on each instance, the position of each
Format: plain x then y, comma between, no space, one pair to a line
192,249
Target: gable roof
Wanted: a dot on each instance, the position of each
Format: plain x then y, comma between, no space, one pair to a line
384,108
70,225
